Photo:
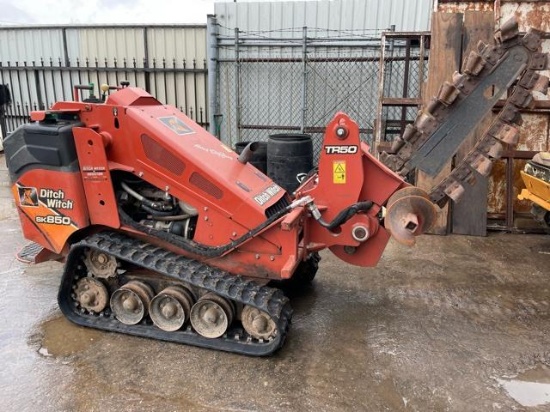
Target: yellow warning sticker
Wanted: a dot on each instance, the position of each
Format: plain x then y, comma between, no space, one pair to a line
339,172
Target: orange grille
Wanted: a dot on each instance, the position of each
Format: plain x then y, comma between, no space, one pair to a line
205,185
158,154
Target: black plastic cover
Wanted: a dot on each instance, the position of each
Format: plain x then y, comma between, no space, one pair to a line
5,97
45,145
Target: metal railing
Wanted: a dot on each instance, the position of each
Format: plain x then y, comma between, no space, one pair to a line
37,85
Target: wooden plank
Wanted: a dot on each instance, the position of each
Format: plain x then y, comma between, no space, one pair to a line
469,216
445,56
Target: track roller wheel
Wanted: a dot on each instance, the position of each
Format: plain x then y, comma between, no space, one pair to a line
130,302
170,309
91,294
258,324
212,315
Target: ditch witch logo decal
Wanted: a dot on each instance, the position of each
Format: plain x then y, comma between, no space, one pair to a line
267,194
53,199
176,125
28,196
45,205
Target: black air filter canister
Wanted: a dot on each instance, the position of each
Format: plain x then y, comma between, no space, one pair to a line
289,157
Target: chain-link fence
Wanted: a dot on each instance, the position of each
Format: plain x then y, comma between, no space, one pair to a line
294,81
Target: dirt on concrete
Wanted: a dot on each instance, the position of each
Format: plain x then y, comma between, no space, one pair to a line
455,323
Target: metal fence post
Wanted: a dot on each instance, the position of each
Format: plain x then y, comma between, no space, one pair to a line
3,128
213,74
237,87
304,80
147,73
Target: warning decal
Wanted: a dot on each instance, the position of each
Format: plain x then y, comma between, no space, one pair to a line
339,172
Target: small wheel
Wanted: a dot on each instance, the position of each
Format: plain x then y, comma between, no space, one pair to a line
257,323
211,315
91,294
306,271
130,302
100,264
170,309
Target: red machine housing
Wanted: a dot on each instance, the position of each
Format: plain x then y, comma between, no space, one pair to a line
133,134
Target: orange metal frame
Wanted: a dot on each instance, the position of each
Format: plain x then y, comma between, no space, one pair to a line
134,133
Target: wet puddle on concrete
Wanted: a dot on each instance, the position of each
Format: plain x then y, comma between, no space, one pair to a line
60,338
530,388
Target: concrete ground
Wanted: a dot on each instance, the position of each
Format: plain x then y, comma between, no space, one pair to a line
454,324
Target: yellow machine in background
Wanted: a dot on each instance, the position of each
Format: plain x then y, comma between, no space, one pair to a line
536,176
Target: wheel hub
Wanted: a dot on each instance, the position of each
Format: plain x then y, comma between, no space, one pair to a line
258,324
91,294
131,301
170,309
211,315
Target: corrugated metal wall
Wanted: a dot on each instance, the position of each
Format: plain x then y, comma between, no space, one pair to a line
337,15
41,64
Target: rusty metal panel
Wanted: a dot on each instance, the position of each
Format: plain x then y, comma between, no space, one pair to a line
496,201
534,132
528,13
497,189
463,6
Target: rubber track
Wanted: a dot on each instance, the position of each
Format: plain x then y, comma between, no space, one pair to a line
503,131
164,262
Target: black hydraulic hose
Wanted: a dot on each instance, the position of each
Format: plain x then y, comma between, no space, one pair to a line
197,248
156,206
346,215
155,212
217,251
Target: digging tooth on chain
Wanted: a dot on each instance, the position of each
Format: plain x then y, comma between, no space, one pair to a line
454,190
539,62
529,79
491,147
521,97
478,67
541,84
436,109
474,64
397,144
504,132
448,93
480,163
532,40
426,123
412,134
459,81
532,80
492,54
438,196
510,114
